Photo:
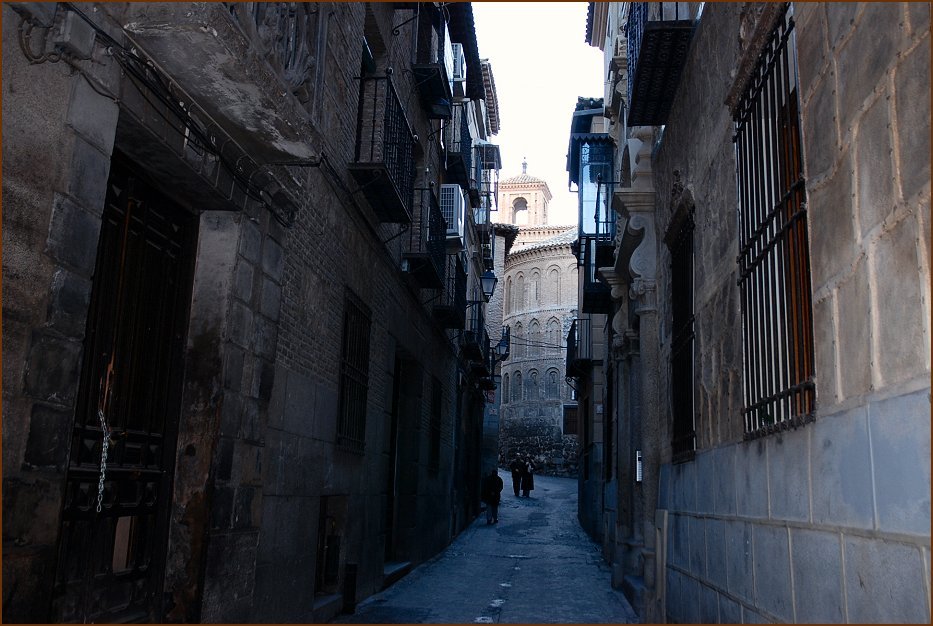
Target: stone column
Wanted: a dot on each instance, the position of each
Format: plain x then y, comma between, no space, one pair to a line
637,261
643,291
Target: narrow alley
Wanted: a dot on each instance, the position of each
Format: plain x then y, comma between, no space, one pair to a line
535,566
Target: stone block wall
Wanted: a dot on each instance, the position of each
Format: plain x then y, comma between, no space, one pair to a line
830,522
58,137
255,450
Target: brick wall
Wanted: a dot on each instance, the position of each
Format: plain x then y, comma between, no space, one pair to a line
532,423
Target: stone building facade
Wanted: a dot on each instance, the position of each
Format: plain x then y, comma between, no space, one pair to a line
768,419
208,269
538,301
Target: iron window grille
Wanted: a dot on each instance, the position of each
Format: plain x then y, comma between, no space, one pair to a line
434,449
570,420
774,265
354,375
683,441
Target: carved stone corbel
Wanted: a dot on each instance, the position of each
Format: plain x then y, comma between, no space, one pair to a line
637,253
619,287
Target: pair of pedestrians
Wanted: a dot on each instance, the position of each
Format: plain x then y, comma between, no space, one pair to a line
523,476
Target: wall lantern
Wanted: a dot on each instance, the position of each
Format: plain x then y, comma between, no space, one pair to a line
504,345
488,281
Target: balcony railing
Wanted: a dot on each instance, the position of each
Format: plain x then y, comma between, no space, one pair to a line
434,65
659,36
423,258
475,344
383,159
579,348
484,176
450,305
458,146
595,252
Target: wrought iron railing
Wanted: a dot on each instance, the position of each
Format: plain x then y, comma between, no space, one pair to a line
384,146
450,304
427,240
596,251
484,175
475,338
579,347
658,36
458,145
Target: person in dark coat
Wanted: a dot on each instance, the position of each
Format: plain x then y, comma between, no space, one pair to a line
528,477
491,494
517,466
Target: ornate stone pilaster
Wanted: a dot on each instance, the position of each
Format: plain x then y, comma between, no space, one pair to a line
636,260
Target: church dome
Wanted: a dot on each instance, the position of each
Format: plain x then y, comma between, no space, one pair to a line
523,179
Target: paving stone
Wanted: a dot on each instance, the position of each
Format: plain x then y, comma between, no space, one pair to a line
536,565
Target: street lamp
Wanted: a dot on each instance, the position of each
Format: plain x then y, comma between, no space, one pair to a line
488,282
504,345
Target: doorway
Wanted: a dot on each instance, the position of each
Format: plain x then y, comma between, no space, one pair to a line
114,523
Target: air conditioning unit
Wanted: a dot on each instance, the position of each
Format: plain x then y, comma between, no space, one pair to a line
459,73
452,205
449,58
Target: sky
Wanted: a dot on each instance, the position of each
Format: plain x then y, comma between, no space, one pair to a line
541,63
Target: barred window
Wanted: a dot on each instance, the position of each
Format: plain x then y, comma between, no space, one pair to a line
683,441
570,420
552,386
434,450
354,375
774,264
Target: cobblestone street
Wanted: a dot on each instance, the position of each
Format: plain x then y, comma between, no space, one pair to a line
535,566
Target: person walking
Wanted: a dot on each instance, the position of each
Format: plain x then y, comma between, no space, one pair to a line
517,466
491,494
528,477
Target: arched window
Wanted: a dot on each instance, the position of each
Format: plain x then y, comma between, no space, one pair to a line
520,293
505,389
518,343
554,281
554,339
552,385
517,387
507,302
520,212
535,294
532,386
534,338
